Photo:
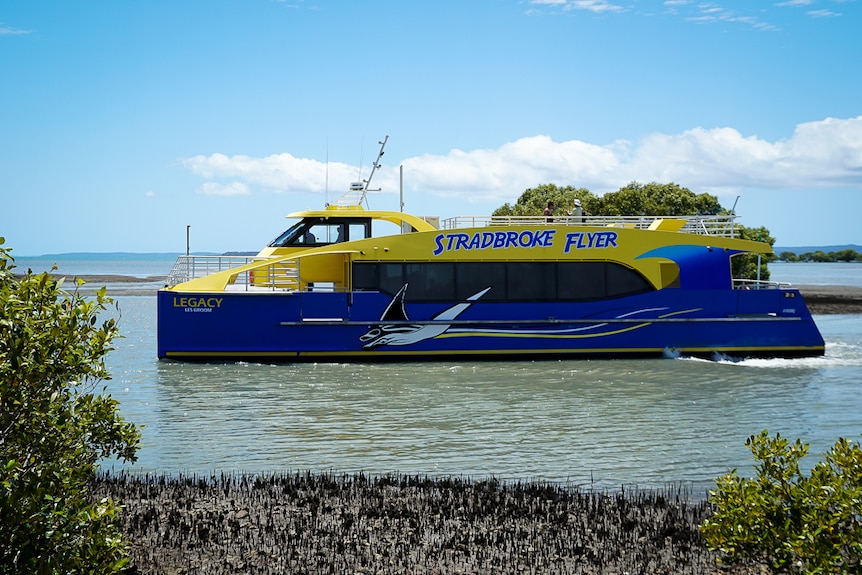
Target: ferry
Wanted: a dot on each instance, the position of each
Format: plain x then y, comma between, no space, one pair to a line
332,288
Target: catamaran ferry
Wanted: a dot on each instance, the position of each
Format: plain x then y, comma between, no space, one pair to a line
332,288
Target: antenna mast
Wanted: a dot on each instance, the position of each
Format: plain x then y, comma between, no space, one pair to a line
374,167
359,190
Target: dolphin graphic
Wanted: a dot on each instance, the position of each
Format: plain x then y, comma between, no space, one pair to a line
408,334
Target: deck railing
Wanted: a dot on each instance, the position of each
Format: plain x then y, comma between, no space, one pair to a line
705,225
190,267
759,284
280,275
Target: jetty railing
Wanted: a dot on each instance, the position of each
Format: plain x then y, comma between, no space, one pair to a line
720,225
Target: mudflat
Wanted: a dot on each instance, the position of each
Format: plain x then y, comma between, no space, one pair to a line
832,299
308,523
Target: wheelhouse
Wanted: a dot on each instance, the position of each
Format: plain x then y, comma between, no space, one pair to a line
321,231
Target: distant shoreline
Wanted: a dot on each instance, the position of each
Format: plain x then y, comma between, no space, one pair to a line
821,299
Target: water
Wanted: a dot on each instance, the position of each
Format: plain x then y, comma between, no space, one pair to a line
148,269
134,265
595,424
590,423
843,273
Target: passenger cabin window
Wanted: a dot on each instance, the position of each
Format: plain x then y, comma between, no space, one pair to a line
323,231
509,281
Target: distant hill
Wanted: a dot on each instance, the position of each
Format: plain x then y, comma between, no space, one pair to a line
826,249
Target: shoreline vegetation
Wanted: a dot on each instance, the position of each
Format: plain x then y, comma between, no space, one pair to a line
821,299
311,523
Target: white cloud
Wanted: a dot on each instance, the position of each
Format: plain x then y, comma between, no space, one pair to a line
8,30
823,13
708,12
589,5
524,163
218,189
821,154
279,172
594,6
700,12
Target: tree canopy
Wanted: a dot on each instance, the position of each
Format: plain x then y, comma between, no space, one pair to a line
633,199
55,427
657,200
846,255
533,201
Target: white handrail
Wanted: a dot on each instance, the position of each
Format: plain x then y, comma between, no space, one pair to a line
282,274
704,225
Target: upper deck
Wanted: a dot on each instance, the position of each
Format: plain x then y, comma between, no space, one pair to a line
721,225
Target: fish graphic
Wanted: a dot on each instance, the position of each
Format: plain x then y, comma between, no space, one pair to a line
406,333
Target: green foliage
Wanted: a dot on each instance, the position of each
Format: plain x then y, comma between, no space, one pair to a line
847,255
54,428
633,199
793,522
534,200
746,265
818,256
656,200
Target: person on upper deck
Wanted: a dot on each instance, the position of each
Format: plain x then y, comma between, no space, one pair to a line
549,212
578,212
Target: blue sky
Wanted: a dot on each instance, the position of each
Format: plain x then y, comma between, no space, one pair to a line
123,122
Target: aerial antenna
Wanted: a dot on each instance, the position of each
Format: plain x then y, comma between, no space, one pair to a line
361,159
375,165
733,227
359,190
326,180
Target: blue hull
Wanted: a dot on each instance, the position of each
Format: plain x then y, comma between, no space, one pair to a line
368,326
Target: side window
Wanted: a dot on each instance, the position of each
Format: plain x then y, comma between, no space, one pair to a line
526,281
391,277
622,281
581,280
323,233
473,277
307,237
430,281
357,231
366,276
